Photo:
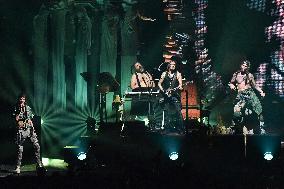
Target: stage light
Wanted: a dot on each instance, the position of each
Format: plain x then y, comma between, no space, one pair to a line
45,161
146,121
91,125
91,122
173,156
56,163
41,121
82,156
268,156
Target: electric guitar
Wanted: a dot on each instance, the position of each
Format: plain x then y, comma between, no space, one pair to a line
170,91
24,124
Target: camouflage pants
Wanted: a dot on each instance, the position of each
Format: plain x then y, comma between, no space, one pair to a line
22,135
247,100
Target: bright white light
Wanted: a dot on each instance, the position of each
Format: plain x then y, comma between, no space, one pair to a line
41,121
82,156
57,163
268,156
45,161
173,156
146,120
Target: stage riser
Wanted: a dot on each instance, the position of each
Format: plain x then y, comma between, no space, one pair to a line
202,151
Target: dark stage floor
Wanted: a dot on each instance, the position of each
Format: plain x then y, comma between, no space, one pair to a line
221,161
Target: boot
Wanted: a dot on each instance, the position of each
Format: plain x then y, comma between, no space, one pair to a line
245,130
261,126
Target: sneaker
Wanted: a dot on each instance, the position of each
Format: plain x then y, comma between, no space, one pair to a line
17,170
250,132
262,131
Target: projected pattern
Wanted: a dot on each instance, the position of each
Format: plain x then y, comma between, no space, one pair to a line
271,74
203,66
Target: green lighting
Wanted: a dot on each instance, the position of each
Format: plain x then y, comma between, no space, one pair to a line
55,163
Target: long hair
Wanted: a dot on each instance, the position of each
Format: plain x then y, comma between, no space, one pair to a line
18,105
19,97
168,67
133,69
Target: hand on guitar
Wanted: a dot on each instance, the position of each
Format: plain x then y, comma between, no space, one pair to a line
25,123
169,92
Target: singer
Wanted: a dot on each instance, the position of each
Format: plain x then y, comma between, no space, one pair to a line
243,82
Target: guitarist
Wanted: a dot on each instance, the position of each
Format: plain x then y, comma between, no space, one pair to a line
243,82
170,84
23,117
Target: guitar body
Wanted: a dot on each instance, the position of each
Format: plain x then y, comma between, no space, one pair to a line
171,91
23,124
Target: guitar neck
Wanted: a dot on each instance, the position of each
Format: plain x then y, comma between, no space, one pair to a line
174,89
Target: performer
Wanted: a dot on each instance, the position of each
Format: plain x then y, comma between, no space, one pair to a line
243,81
25,129
141,79
170,83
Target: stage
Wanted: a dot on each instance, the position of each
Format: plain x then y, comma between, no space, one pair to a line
107,86
142,160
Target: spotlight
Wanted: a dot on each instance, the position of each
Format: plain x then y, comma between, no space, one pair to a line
268,156
81,156
41,121
91,121
173,156
146,120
